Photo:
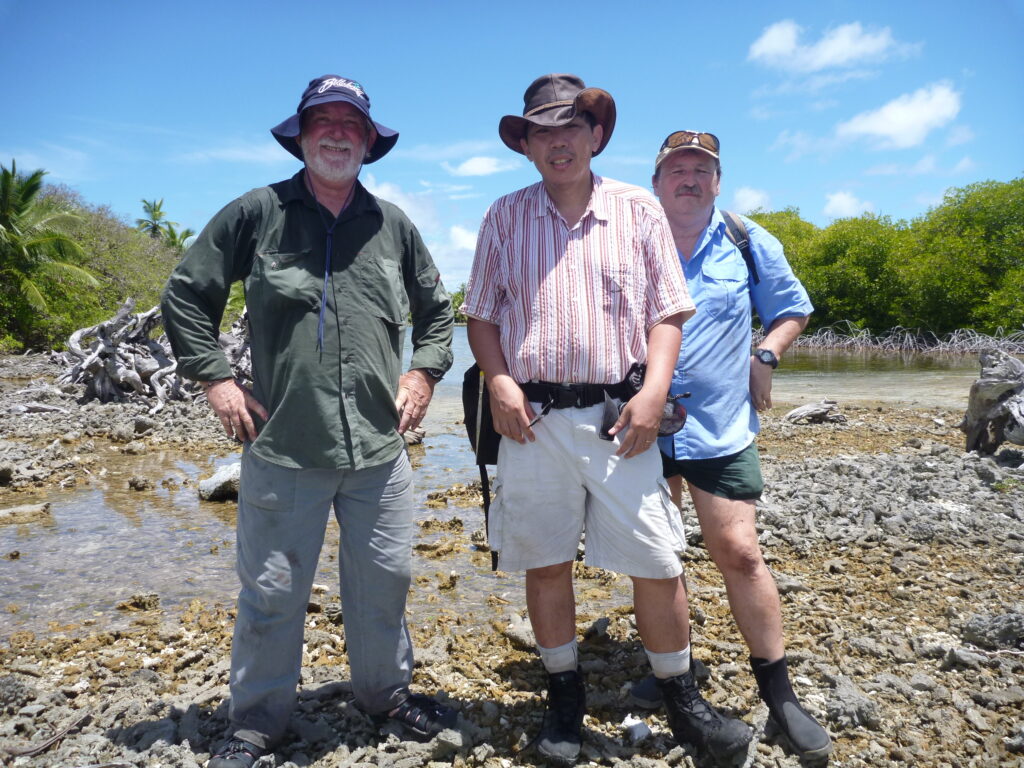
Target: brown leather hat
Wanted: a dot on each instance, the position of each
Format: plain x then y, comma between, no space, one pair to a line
554,100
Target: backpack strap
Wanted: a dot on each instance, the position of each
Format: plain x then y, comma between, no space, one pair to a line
736,231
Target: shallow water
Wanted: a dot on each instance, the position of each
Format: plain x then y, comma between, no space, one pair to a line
104,543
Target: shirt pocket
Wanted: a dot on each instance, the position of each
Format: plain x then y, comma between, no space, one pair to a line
383,290
287,279
722,285
618,284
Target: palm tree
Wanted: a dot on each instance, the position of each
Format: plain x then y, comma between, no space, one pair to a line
177,240
34,243
157,220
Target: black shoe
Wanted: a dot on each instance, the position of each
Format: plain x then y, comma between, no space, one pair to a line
237,753
645,693
419,717
693,721
806,737
560,734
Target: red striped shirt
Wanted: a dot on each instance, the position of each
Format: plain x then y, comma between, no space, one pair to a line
575,305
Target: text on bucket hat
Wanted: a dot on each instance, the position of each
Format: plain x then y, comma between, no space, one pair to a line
699,140
322,90
554,100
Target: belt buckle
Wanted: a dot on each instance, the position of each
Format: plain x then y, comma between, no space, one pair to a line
565,396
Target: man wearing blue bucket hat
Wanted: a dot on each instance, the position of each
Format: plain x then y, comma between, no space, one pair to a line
330,273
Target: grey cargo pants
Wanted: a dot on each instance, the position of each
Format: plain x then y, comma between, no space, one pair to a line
282,519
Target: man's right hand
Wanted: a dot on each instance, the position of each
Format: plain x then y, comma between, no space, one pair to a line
510,410
233,403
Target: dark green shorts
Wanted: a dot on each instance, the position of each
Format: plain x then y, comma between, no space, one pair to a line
736,477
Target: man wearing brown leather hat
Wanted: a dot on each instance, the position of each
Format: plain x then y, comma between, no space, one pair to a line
575,291
331,273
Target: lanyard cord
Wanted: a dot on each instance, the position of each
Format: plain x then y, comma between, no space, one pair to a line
327,257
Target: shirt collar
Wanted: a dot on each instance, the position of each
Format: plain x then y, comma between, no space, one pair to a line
543,204
295,190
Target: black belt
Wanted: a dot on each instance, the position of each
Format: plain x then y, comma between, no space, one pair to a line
574,395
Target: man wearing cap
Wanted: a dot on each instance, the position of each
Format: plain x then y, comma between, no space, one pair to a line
574,282
715,451
330,274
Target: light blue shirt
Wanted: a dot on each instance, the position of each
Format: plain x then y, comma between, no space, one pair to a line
714,362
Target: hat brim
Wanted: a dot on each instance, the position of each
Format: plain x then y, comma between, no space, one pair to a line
287,132
599,103
665,155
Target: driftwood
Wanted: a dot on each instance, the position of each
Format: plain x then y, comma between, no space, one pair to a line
995,407
816,413
117,360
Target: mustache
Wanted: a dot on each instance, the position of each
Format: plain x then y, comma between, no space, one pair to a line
687,189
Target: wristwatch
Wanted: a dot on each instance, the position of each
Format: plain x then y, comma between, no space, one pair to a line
767,357
435,373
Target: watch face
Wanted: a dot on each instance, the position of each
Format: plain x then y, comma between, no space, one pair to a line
767,357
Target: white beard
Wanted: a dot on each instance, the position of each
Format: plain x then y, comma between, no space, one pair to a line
333,167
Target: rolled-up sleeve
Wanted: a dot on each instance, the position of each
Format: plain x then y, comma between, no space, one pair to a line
779,293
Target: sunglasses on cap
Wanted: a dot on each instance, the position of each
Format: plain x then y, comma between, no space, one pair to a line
701,139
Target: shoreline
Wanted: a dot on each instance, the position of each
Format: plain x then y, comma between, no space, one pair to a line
898,556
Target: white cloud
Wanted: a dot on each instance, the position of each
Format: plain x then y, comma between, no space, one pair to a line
906,120
841,205
927,166
959,134
747,199
481,166
453,255
418,207
462,238
965,165
260,153
799,143
761,113
779,47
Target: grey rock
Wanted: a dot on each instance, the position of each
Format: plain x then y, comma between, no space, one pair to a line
996,632
222,485
849,707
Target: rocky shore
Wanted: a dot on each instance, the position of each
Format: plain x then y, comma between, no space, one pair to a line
900,560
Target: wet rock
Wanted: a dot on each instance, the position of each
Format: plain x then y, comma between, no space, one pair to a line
139,483
222,485
25,514
519,631
142,602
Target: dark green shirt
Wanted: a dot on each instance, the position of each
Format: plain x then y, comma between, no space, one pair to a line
331,408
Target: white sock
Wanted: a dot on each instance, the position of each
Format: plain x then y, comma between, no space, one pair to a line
564,658
669,664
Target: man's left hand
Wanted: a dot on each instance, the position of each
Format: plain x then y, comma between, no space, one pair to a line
760,384
640,418
415,388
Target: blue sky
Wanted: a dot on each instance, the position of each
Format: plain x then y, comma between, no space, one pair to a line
833,107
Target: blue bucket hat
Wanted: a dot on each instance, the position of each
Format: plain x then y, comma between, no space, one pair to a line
322,90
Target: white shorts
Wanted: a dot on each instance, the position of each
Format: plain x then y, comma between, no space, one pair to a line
548,492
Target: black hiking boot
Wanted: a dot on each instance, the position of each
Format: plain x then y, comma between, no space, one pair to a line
560,734
805,735
693,721
419,718
237,753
